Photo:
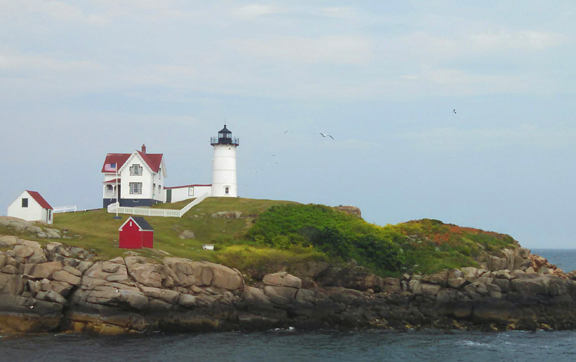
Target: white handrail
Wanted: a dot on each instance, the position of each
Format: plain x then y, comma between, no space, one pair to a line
112,207
193,203
145,211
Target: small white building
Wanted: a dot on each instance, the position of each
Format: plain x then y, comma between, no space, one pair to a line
179,193
135,179
31,206
208,247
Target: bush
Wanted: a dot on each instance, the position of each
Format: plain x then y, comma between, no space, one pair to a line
339,235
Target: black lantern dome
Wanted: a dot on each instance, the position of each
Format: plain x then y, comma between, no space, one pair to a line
224,138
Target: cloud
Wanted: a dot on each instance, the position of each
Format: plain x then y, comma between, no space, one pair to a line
335,49
256,10
17,61
433,47
350,144
57,10
482,139
456,81
95,12
307,51
339,12
523,40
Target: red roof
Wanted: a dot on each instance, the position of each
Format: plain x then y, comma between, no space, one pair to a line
40,200
117,158
179,187
154,160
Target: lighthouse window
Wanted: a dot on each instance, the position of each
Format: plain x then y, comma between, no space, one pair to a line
226,190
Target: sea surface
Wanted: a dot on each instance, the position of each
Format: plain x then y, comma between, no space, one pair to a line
294,345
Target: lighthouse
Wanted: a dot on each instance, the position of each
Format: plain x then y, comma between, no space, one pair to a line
224,182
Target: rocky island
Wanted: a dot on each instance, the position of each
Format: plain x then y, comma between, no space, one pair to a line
47,286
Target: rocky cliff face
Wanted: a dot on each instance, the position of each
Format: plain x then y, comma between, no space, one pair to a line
60,288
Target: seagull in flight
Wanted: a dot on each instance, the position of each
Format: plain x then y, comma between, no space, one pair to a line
286,132
454,110
326,135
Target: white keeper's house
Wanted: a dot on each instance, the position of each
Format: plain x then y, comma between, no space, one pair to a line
31,206
138,178
135,179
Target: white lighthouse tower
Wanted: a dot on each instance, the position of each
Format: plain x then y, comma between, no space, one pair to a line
224,182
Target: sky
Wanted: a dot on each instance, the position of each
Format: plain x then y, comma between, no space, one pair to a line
79,79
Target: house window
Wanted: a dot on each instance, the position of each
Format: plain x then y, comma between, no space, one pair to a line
136,188
191,191
227,190
136,170
24,202
159,188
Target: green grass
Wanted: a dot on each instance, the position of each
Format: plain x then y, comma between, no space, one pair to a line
431,245
274,235
259,260
98,229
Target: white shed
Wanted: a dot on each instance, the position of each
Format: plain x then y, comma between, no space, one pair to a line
31,206
208,247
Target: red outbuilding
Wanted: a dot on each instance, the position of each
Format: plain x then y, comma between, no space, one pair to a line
136,233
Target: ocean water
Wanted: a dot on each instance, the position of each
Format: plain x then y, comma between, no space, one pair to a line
564,259
294,345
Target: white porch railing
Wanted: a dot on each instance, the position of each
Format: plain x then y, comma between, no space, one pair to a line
60,209
145,211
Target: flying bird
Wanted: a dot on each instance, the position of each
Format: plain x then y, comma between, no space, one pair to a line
326,135
286,132
454,110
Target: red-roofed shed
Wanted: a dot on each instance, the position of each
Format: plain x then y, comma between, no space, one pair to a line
136,233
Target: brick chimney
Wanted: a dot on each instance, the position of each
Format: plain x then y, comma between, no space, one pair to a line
143,148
